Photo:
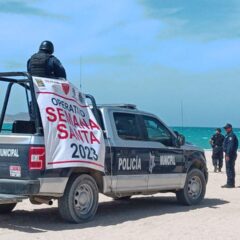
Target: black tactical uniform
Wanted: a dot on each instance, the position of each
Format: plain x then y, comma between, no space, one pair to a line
44,64
230,147
217,153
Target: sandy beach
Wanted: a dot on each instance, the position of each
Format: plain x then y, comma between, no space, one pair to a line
143,217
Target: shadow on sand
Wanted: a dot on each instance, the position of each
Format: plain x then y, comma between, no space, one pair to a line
109,213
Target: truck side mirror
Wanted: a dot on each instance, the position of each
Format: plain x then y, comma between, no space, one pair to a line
180,139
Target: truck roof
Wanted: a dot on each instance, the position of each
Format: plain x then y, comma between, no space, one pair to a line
123,107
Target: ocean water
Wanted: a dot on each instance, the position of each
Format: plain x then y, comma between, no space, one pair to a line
198,136
7,127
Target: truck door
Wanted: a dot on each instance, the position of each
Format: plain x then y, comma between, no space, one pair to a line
166,160
130,163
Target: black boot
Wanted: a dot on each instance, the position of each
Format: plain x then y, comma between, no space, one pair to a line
228,186
215,168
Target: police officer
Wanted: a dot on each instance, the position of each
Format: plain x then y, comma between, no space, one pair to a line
217,153
230,146
44,64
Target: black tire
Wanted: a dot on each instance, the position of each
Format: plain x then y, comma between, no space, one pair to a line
126,198
80,200
194,189
7,208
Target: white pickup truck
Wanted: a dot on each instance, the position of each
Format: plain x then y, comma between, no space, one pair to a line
143,156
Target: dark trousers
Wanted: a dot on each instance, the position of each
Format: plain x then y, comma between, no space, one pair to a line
217,162
230,170
217,157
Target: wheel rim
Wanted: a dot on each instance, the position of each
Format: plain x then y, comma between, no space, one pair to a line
194,187
83,199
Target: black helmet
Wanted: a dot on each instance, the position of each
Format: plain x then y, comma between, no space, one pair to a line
47,46
228,125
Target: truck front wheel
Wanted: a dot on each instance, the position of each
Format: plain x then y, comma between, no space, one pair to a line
7,208
194,188
80,200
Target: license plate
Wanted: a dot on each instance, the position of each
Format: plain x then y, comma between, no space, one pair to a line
15,171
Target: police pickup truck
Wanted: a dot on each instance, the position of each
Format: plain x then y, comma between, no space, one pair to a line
142,156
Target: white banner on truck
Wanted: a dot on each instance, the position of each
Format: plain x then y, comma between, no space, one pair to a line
71,133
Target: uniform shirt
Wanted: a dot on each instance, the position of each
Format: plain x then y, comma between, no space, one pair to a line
230,144
54,68
217,140
59,70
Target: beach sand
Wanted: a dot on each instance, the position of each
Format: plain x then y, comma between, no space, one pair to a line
143,217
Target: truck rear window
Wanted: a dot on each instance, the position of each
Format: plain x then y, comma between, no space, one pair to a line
127,126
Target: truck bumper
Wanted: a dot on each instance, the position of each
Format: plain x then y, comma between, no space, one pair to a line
19,187
8,199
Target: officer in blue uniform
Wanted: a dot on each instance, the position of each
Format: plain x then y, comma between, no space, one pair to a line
217,153
216,142
44,64
230,146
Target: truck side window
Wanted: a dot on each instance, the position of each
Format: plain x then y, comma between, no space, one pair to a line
127,126
157,132
17,118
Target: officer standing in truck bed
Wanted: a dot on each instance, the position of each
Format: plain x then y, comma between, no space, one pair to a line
217,152
44,64
230,146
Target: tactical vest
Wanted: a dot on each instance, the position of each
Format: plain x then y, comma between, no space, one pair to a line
38,65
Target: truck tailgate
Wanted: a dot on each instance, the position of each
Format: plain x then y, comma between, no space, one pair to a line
14,161
14,150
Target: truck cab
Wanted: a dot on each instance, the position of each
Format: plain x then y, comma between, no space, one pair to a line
145,156
142,156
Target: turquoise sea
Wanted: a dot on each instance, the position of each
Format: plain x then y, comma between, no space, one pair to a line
197,135
200,135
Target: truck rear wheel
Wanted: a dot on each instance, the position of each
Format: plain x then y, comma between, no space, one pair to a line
7,208
80,200
194,189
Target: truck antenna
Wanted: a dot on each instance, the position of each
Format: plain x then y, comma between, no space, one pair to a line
80,69
182,113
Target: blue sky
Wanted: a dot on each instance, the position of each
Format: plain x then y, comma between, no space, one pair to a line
153,53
